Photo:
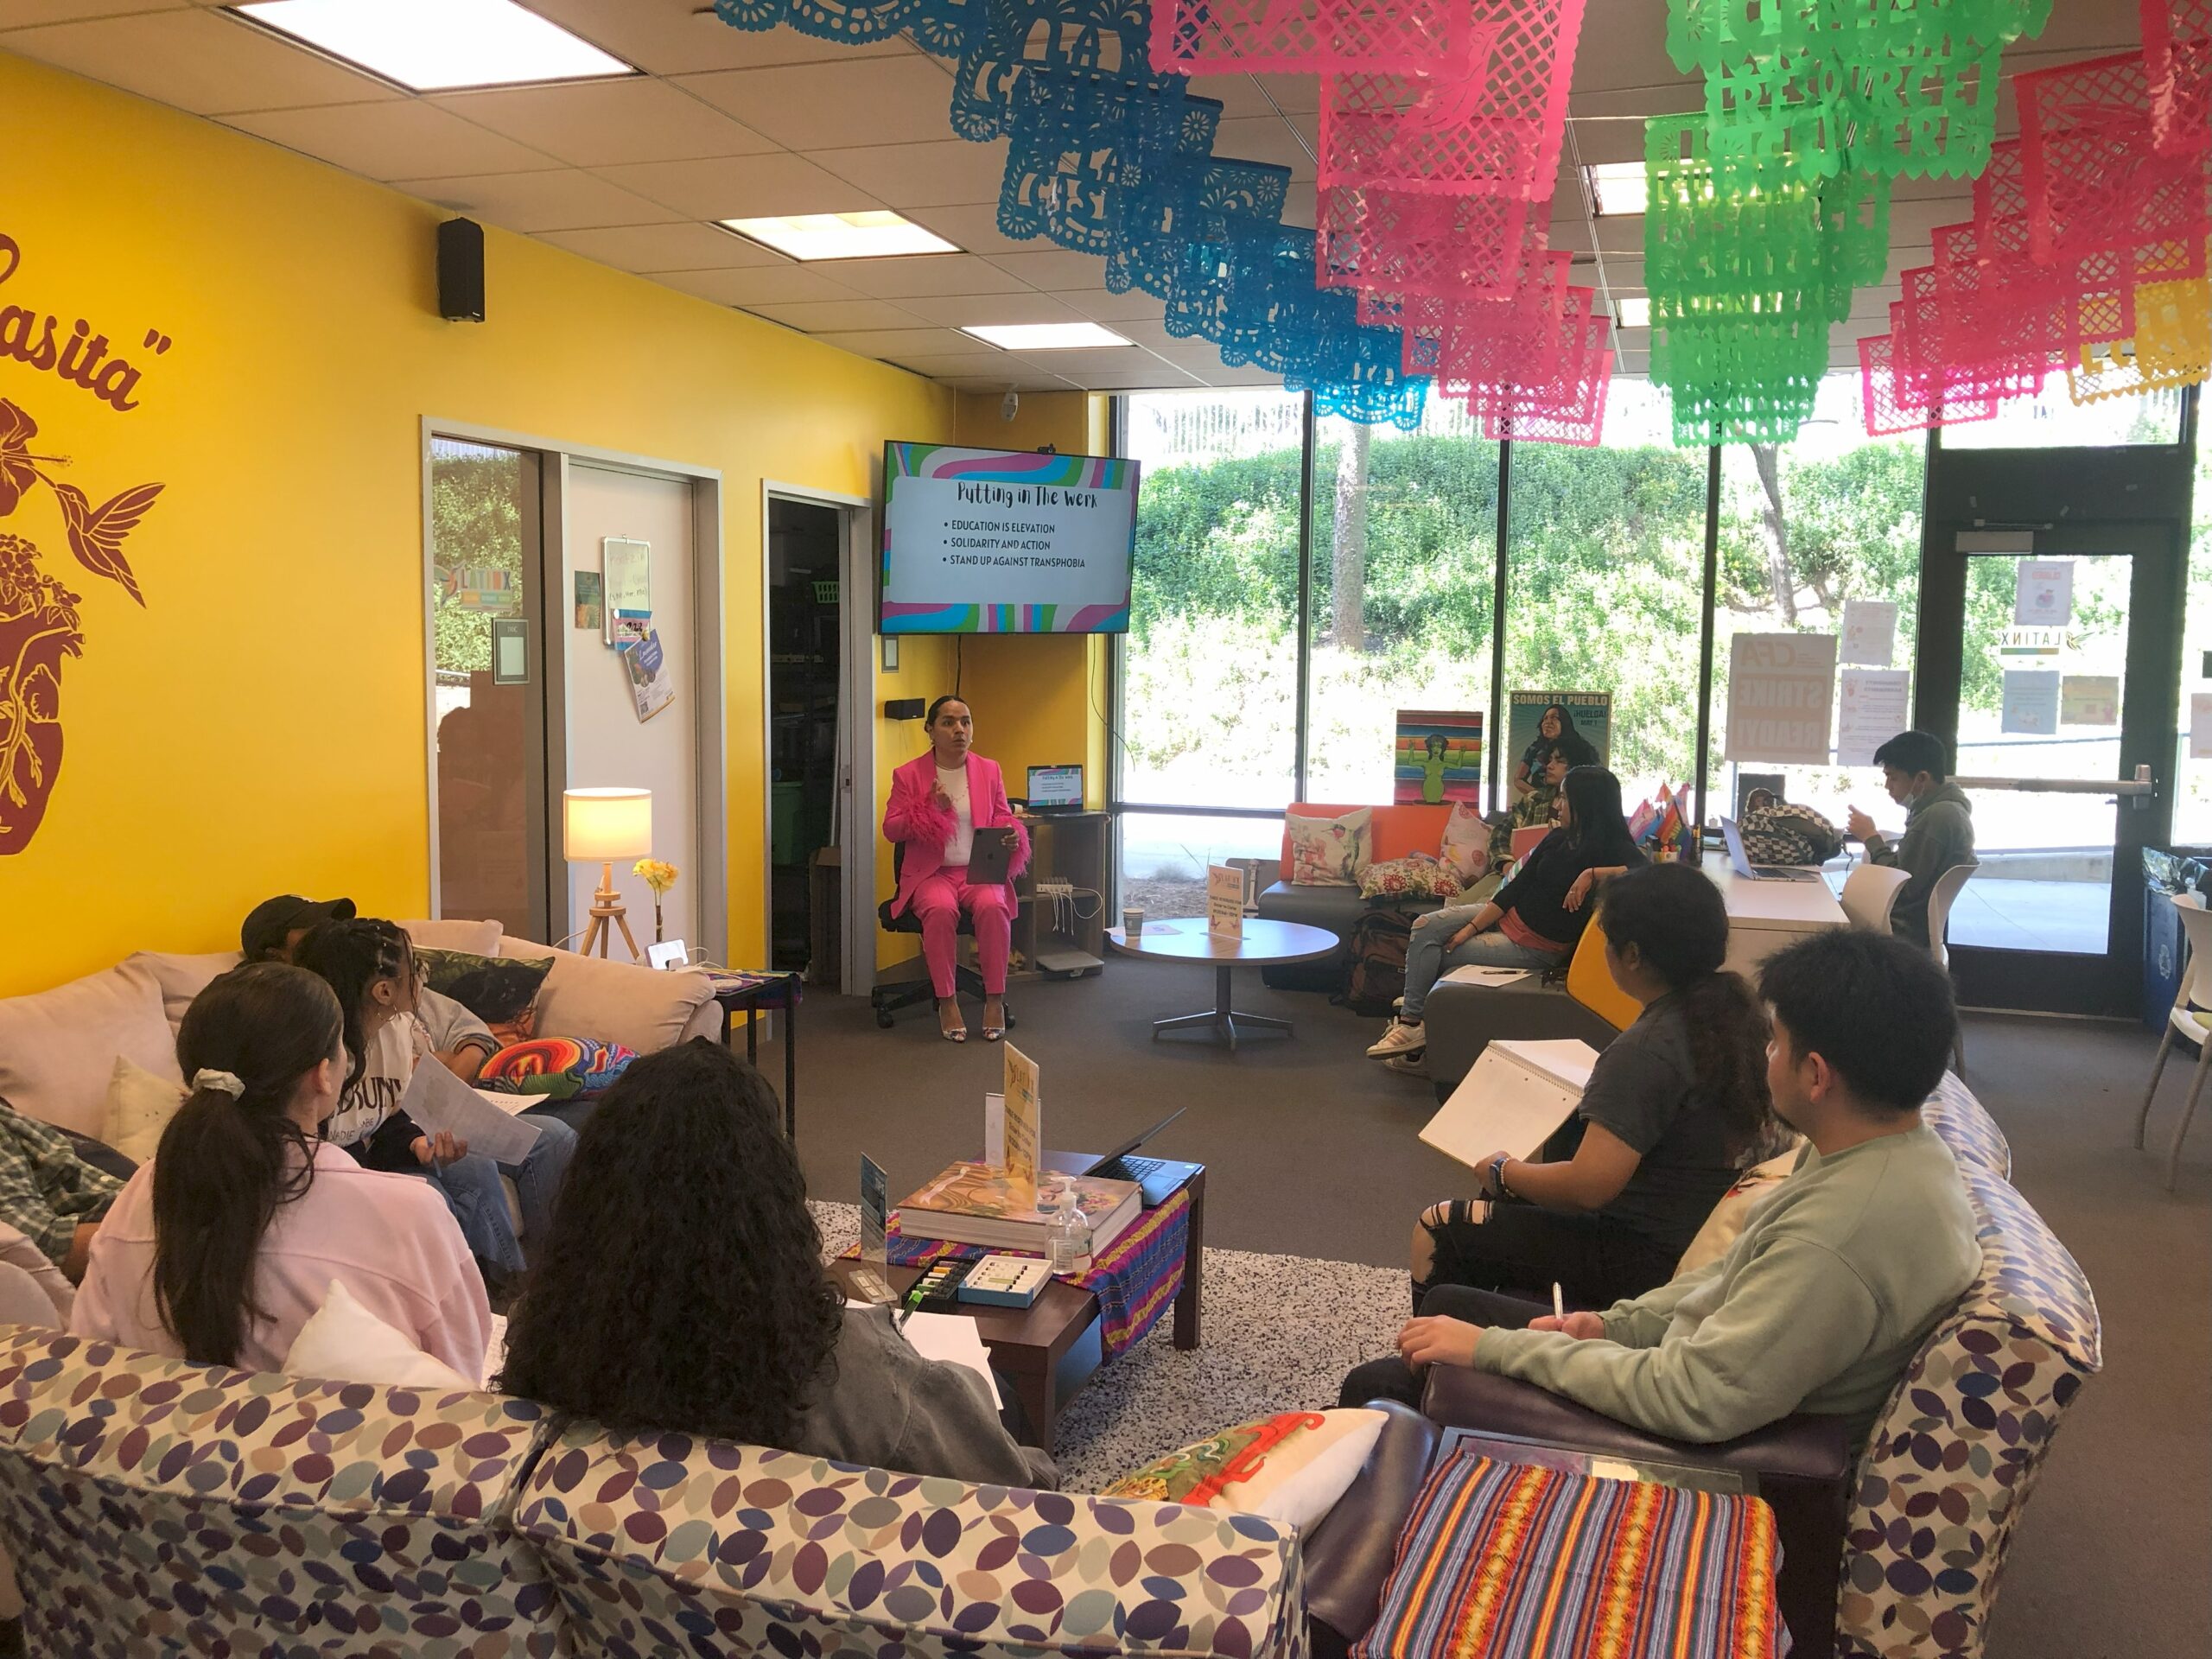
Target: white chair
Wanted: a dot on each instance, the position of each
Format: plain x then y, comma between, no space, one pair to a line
1941,898
1869,893
2190,1020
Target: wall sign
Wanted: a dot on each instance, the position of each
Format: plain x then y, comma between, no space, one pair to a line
1781,692
41,623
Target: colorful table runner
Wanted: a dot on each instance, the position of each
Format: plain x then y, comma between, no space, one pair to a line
1501,1559
1136,1280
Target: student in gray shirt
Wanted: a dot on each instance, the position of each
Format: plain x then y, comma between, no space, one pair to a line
1676,1108
1938,826
1823,1300
682,1289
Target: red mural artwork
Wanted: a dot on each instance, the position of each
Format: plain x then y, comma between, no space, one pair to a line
38,620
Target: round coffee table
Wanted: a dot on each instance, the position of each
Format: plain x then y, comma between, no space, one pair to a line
1264,944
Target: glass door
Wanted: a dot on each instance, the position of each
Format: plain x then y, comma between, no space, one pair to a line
2049,656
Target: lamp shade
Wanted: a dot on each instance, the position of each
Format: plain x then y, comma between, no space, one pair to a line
600,825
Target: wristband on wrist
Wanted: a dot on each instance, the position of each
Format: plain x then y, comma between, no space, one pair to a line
1499,1189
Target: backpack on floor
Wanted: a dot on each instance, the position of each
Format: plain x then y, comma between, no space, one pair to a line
1375,962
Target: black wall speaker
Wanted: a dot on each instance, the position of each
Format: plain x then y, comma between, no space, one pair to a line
461,270
905,708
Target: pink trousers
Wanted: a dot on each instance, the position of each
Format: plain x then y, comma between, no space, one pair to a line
938,901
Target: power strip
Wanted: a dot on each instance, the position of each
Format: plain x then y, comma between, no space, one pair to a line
1056,889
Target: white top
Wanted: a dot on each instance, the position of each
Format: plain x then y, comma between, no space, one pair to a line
1782,906
953,780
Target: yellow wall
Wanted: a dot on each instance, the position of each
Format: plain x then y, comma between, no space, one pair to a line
258,726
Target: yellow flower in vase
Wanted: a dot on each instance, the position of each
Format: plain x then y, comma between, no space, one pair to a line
660,876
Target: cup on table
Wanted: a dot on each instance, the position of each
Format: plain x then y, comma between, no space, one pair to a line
1132,921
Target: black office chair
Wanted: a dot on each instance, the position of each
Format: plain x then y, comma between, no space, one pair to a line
887,999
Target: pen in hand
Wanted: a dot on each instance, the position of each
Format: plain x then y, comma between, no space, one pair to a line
1559,1303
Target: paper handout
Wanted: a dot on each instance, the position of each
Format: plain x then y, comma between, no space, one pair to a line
1513,1099
951,1338
1475,974
436,1100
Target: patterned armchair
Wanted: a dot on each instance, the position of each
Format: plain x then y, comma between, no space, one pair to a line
672,1544
153,1506
1897,1558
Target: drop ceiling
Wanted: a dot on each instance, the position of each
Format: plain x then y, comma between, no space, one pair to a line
725,124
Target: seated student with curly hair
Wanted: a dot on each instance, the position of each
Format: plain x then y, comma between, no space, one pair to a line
682,1289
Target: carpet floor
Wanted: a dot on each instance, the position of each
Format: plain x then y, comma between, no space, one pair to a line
1280,1334
1314,1163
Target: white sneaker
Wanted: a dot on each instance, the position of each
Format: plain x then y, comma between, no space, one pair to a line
1400,1038
1407,1065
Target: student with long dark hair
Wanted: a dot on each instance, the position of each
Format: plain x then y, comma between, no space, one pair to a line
370,965
682,1289
222,1246
1533,921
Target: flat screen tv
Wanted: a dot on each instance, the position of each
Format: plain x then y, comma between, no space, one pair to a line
999,541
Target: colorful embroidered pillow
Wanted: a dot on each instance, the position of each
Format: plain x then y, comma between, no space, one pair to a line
501,991
1292,1467
1328,852
559,1068
1466,844
1414,876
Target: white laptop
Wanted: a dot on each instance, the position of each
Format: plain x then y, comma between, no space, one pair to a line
1750,872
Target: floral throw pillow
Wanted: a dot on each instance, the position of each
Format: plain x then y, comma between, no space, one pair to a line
1328,852
1291,1467
1466,844
559,1068
1414,876
501,991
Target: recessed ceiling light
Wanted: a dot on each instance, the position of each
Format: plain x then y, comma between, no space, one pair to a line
1632,311
435,45
1046,336
1616,188
873,235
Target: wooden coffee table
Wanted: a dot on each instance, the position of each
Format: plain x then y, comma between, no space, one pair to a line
1264,944
1049,1349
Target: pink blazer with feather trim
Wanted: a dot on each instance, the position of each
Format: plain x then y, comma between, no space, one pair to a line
914,818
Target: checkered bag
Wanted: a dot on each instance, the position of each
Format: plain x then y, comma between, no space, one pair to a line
1783,833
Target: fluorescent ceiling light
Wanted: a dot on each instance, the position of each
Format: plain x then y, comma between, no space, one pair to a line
1616,188
1632,311
873,235
435,45
1046,336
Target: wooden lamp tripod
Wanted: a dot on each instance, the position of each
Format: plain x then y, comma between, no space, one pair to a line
600,825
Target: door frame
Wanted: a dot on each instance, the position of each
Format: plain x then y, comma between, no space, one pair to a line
857,794
2134,499
710,656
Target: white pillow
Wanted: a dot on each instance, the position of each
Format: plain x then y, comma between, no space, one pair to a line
1291,1467
139,1106
613,1001
477,938
1466,841
346,1343
57,1048
1328,852
180,978
1754,1190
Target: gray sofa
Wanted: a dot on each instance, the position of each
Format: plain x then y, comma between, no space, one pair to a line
1463,1019
1338,910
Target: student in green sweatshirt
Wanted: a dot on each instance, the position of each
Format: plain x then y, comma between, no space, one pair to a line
1823,1300
1938,826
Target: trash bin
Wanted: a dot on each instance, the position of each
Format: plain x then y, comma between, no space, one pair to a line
2163,950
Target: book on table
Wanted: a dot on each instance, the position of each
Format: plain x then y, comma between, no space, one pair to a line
976,1204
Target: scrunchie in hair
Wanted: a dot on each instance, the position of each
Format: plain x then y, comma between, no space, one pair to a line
223,1082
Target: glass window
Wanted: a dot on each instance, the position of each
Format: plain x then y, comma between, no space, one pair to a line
1405,545
2193,800
1829,516
1165,856
1606,557
2052,420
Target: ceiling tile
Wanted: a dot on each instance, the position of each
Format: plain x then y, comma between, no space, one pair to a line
923,175
1238,95
741,187
907,342
197,60
666,247
1298,206
845,315
671,37
1016,378
609,123
1265,139
761,285
1121,361
1149,331
563,199
926,273
959,311
1292,94
1102,306
964,364
1623,44
1052,268
26,14
974,227
404,138
815,106
1152,376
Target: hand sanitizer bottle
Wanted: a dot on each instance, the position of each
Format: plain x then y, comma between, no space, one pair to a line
1067,1239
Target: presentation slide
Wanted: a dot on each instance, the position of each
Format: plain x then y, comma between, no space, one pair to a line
985,541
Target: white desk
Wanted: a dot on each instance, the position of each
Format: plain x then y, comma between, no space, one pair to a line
1764,916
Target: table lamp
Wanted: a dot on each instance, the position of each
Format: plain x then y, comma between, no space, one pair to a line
605,825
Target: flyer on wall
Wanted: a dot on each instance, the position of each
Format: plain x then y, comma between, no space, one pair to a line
1581,721
651,682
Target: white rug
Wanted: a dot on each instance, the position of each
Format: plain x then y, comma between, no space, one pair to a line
1278,1334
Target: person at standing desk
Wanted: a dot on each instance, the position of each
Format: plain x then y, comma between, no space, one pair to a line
938,801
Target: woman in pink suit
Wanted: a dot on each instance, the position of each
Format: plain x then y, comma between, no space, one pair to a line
938,801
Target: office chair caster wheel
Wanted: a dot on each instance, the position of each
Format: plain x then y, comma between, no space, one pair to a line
883,1019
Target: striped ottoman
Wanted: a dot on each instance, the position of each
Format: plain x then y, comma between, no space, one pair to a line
1503,1558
